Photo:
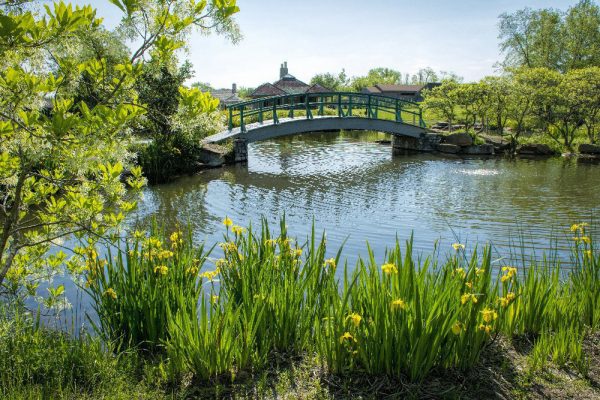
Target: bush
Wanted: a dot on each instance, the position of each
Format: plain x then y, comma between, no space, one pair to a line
162,161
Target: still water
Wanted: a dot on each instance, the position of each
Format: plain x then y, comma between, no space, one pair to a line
355,190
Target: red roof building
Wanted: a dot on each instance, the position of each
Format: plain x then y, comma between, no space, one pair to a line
287,84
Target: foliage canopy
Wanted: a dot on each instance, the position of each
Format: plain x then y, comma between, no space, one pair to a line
68,105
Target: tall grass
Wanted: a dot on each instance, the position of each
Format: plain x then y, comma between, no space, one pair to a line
285,276
548,297
405,317
562,347
205,340
268,298
41,363
134,291
585,282
535,300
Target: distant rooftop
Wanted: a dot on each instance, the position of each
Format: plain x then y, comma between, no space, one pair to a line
267,89
316,88
287,84
226,96
395,88
406,92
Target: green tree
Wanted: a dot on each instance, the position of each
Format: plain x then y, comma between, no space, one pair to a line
443,100
582,86
61,165
532,38
385,75
175,131
174,151
376,76
473,99
245,92
424,75
581,35
519,105
499,90
450,76
98,44
60,170
158,89
204,86
552,39
554,105
330,81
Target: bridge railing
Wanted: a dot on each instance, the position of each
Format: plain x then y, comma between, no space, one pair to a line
337,104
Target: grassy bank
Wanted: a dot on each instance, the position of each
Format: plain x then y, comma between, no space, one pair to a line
38,365
270,317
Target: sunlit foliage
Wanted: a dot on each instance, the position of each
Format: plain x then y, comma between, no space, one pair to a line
66,117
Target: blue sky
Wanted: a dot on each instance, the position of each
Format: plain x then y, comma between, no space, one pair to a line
316,36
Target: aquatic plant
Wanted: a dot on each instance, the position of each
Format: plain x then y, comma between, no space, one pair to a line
134,290
404,317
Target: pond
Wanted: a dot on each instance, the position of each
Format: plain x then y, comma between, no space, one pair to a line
352,187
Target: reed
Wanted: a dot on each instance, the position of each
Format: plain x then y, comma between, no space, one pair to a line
271,294
134,290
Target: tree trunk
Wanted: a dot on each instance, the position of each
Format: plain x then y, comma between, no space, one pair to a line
568,134
590,133
10,221
7,264
513,145
500,125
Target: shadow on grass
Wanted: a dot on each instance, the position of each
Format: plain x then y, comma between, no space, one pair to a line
591,347
304,378
501,373
493,377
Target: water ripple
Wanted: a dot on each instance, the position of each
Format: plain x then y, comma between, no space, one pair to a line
354,189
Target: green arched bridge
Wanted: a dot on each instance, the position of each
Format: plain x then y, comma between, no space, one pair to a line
272,117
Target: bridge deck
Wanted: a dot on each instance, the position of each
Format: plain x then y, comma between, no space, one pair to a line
235,132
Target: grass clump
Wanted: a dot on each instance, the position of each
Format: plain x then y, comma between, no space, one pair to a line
405,318
263,297
135,291
38,362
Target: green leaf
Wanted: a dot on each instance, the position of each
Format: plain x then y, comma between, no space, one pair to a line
118,4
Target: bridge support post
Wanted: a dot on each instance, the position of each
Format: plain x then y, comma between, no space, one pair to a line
240,150
426,142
